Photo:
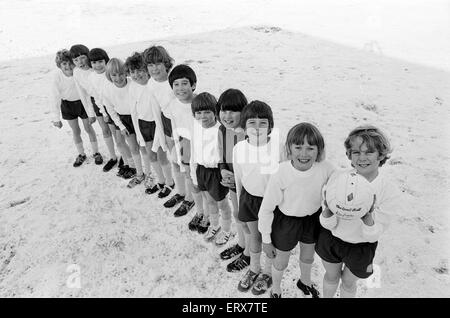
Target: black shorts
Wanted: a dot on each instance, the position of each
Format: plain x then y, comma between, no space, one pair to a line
147,129
287,230
72,110
110,121
96,109
248,206
128,123
358,257
209,180
167,125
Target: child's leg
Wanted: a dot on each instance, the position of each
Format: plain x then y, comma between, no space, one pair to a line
154,162
135,153
166,167
213,209
225,211
76,134
179,179
306,261
280,263
348,284
255,247
125,150
333,272
146,160
107,136
91,133
188,183
198,199
243,238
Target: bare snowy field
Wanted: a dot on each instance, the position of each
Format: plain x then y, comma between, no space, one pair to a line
57,222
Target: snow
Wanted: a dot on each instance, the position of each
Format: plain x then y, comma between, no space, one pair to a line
335,65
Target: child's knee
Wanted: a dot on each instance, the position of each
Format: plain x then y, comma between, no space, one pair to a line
332,277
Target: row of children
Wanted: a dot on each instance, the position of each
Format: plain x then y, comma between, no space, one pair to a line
205,150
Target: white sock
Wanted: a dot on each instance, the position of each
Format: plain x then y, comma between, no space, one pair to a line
187,182
344,293
198,199
247,244
255,262
276,280
214,218
94,146
267,265
240,235
138,163
158,171
80,148
147,169
131,162
226,224
329,288
110,145
167,170
179,183
305,273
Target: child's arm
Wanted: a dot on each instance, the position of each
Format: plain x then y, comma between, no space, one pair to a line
376,222
237,175
273,196
327,218
112,112
160,139
85,100
56,103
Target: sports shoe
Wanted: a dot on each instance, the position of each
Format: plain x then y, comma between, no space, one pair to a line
122,170
184,208
135,181
274,295
129,173
79,160
202,228
166,191
231,252
308,290
247,281
109,165
195,222
239,263
177,198
155,188
98,159
211,233
262,284
222,238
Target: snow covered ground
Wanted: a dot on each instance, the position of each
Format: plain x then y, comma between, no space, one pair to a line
336,65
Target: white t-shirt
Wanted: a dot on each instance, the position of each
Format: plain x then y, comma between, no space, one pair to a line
296,193
162,92
97,83
388,199
84,89
117,101
63,87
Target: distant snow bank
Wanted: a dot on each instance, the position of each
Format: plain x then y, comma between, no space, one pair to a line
414,30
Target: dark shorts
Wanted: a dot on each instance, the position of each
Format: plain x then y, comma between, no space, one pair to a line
185,150
209,180
128,123
72,110
110,121
248,206
167,125
358,257
147,129
96,109
287,230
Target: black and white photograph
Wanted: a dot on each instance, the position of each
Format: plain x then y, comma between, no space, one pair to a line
226,149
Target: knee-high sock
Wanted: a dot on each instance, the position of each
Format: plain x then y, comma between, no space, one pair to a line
131,162
255,262
179,182
240,235
214,218
305,273
329,287
147,169
110,145
344,293
122,154
167,170
80,148
94,146
267,265
138,164
225,211
276,279
158,171
247,243
188,185
198,199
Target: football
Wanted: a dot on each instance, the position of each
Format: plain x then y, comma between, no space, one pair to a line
349,195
